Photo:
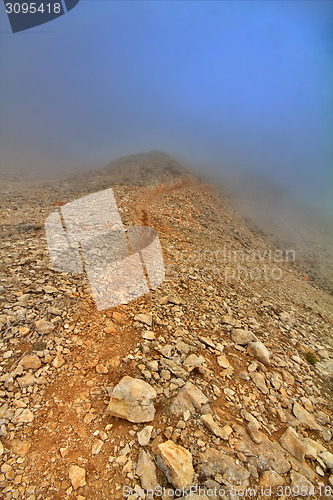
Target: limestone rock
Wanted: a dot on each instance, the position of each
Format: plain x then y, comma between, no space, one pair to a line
211,424
144,435
305,417
30,362
132,399
242,337
300,482
174,367
260,352
148,335
223,362
271,479
291,443
259,380
193,361
327,458
100,368
176,463
20,448
26,416
77,475
312,448
255,434
58,360
144,318
146,470
190,398
173,299
214,462
43,326
96,447
26,380
267,455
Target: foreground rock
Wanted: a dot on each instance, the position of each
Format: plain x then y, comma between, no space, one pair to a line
305,417
146,470
242,337
176,463
260,352
77,475
190,398
132,399
217,462
291,443
30,362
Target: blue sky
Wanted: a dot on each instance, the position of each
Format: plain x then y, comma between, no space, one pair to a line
228,84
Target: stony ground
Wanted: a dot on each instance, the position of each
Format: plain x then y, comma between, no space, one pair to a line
221,378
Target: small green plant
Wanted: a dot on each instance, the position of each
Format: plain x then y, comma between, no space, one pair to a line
311,357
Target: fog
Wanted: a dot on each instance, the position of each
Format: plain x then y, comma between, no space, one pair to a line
238,89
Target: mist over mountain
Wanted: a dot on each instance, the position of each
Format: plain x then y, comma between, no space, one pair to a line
267,208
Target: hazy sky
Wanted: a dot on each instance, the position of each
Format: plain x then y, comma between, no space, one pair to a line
230,83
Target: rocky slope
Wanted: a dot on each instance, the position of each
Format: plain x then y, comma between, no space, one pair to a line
220,379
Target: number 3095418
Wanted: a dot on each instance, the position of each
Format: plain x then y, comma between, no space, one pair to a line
33,8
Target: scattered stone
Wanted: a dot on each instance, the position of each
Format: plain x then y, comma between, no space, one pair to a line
166,351
207,341
271,479
327,458
145,318
19,447
305,417
173,299
174,367
190,398
26,380
101,369
212,425
312,448
213,462
255,434
30,362
58,360
260,352
96,447
267,455
291,443
193,361
226,432
23,416
43,326
242,337
182,347
300,482
176,463
223,362
144,435
152,365
148,335
132,399
77,476
258,379
146,470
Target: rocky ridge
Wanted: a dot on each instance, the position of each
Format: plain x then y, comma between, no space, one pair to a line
220,379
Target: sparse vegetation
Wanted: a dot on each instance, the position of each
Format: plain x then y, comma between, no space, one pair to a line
311,357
